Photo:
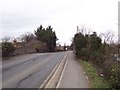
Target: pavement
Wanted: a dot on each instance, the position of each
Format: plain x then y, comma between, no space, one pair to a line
73,74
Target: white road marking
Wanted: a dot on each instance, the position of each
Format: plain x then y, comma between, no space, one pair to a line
61,75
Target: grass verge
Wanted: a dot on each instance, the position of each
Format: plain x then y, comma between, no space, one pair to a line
96,81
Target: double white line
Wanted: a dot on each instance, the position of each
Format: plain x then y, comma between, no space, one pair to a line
54,79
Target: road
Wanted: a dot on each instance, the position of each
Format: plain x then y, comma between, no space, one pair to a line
29,71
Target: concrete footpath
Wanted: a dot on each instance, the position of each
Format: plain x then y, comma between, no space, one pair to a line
73,74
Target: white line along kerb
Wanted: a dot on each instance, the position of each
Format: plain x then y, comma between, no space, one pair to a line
55,73
62,74
46,82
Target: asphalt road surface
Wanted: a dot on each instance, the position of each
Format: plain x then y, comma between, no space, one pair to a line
29,71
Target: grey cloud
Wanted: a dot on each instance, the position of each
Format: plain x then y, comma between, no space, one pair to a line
20,20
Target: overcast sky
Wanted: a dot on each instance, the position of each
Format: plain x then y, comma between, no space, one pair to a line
20,16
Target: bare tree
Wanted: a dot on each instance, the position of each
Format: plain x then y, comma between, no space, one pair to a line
108,37
26,38
5,39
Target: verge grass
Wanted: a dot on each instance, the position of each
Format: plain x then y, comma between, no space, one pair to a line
96,81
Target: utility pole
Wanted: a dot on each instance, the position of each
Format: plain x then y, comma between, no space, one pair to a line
78,29
118,28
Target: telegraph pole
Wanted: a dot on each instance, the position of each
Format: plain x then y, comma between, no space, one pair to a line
78,29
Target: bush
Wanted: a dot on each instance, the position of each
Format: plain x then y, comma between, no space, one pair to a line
114,77
7,49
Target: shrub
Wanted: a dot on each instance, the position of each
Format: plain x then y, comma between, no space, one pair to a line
7,49
114,77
